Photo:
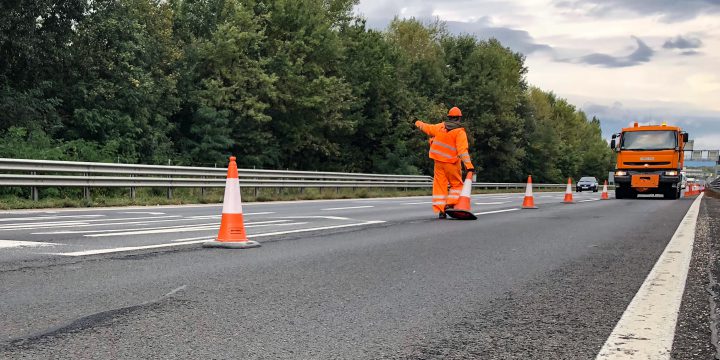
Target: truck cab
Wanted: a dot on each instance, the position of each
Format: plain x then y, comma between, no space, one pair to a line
650,159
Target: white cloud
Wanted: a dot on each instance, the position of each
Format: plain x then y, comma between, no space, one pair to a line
674,75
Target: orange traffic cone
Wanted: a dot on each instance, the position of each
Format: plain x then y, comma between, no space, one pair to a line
461,210
604,195
232,228
529,201
568,193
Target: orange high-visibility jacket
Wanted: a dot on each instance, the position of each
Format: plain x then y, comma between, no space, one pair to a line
447,146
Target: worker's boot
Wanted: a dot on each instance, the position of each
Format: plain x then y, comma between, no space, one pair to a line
442,215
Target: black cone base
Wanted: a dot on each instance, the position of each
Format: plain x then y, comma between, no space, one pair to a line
461,214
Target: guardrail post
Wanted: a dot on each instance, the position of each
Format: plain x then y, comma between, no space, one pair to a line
169,193
86,190
133,190
34,192
202,190
256,193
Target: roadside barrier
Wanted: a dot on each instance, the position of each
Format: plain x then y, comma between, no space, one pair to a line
37,174
232,226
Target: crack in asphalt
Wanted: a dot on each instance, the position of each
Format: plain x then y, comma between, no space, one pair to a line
86,322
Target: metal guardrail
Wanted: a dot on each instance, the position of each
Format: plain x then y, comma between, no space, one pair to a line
26,173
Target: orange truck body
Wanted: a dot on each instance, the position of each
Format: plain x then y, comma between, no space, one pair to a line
650,159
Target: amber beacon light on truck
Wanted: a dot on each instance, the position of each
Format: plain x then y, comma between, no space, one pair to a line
650,159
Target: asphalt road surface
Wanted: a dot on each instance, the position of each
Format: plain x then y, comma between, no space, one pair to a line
336,279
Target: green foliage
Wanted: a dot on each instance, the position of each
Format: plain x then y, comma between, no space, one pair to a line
279,83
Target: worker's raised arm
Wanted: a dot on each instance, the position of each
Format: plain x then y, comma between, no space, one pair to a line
461,142
430,129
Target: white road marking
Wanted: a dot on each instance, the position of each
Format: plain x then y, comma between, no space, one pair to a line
588,200
173,229
61,224
106,224
496,211
419,203
144,212
348,208
132,248
26,226
313,217
647,328
4,244
39,218
492,203
250,235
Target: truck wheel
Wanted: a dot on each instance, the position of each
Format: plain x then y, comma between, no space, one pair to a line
619,193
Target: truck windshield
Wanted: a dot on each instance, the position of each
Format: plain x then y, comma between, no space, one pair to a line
649,140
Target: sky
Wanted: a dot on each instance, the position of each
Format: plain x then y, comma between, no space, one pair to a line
620,60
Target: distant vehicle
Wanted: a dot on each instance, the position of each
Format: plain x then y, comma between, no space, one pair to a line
649,160
587,183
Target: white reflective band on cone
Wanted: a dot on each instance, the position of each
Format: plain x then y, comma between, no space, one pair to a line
467,187
231,202
528,190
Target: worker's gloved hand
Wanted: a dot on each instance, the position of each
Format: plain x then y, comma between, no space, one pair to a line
418,123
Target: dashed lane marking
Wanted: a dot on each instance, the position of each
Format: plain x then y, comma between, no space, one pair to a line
348,208
492,203
647,327
496,211
143,212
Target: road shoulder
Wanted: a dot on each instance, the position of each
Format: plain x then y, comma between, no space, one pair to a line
696,330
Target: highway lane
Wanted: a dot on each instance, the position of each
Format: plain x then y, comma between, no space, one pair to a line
547,283
34,234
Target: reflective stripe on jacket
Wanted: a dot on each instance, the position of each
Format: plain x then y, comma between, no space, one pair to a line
447,146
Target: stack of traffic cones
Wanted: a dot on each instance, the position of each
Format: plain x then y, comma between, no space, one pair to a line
232,226
529,200
568,193
461,210
604,195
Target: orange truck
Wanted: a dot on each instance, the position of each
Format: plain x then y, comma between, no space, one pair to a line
649,160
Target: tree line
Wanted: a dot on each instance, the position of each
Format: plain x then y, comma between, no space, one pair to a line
281,84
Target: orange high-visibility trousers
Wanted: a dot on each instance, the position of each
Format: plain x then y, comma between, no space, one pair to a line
446,173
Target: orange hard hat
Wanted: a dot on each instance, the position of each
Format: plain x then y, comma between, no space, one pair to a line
455,112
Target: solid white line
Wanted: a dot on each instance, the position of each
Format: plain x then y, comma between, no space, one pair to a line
496,211
49,217
123,249
4,244
26,226
419,203
78,223
250,235
348,208
588,200
174,229
647,328
492,203
144,212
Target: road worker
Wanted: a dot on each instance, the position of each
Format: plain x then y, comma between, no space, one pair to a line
449,149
